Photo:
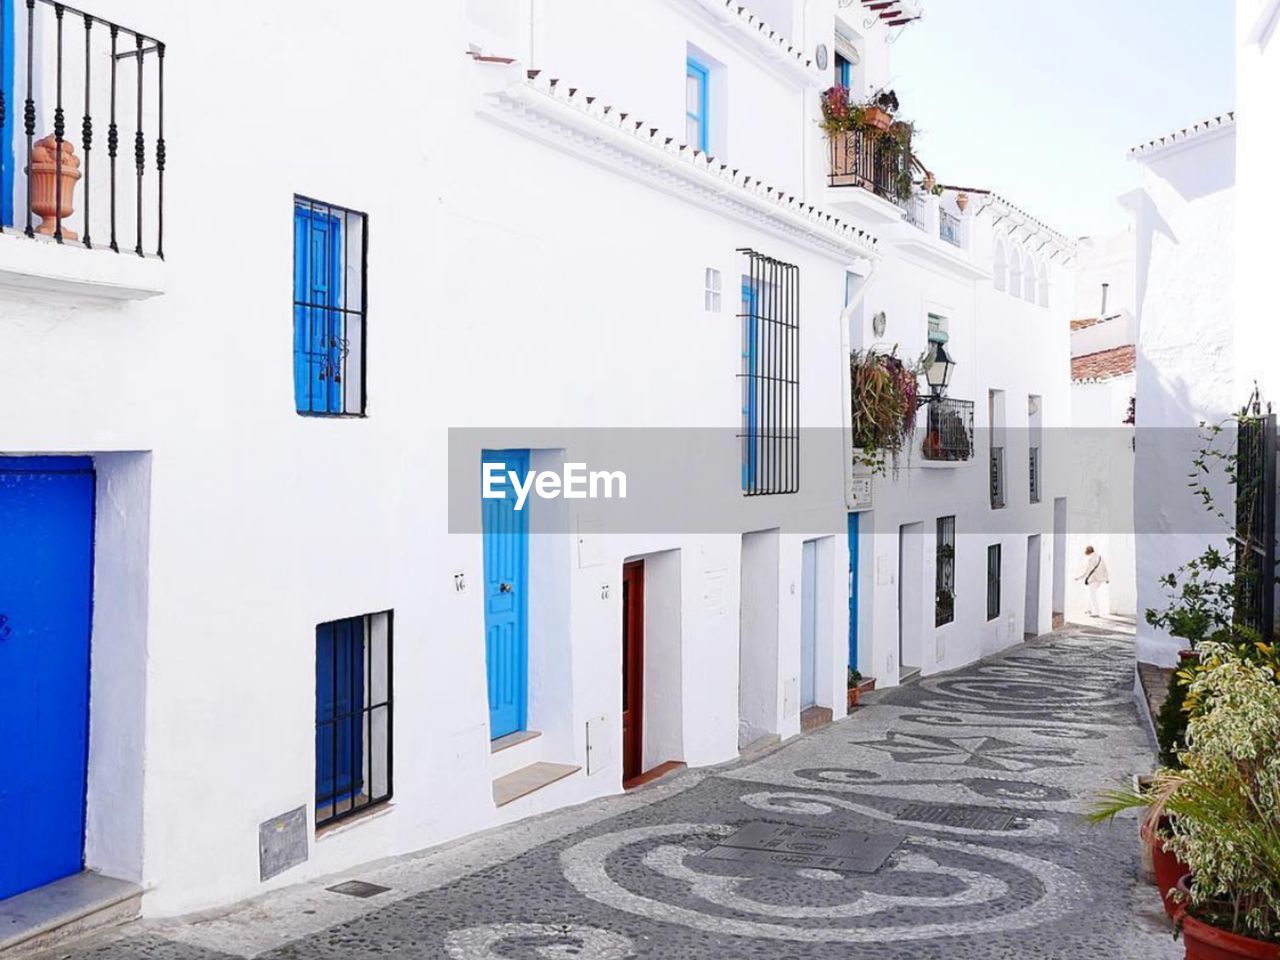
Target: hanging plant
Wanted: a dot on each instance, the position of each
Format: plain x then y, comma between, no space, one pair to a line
885,400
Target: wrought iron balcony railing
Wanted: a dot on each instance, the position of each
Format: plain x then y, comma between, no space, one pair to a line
860,158
949,435
71,69
949,227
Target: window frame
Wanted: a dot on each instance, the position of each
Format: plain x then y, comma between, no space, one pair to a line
713,286
944,570
354,320
327,807
700,72
995,576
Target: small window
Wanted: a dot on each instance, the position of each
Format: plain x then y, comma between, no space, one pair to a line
711,294
944,606
328,309
353,715
770,376
696,118
937,328
993,581
844,72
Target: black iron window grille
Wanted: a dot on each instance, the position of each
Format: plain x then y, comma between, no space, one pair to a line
330,257
949,435
353,715
944,604
1033,469
949,227
997,478
993,581
770,376
77,68
1255,524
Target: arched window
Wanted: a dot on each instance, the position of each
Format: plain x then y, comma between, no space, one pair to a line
1042,293
1029,280
1000,266
1015,272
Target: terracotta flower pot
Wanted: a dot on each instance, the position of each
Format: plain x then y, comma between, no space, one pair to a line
854,694
1207,942
1167,868
877,118
962,201
43,184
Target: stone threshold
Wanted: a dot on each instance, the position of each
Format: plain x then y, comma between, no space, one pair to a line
526,780
69,907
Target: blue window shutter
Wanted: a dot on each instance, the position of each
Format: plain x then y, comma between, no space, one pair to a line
700,113
301,319
340,654
319,326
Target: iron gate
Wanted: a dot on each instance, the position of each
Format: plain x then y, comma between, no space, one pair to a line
1255,526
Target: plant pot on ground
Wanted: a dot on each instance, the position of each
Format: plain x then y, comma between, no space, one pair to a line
1206,939
1165,864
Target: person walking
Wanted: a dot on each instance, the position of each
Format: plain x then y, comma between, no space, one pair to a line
1094,576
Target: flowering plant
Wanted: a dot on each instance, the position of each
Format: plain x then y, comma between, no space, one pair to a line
885,401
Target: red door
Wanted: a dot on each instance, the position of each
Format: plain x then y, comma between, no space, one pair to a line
632,669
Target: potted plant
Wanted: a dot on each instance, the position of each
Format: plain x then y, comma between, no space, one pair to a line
884,405
1224,808
857,686
877,112
962,200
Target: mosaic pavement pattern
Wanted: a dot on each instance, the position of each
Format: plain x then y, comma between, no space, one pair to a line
975,779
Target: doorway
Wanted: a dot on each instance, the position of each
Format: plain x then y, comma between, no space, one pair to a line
808,624
632,670
1059,561
910,599
506,596
46,596
1031,621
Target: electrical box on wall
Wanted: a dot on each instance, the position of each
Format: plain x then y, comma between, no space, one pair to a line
599,745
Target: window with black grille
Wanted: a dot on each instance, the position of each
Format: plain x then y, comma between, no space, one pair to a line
353,715
993,581
770,376
329,256
944,605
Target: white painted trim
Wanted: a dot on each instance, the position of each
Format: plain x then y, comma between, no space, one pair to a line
1264,25
40,264
757,37
633,148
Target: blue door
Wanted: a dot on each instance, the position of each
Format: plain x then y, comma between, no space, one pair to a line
853,591
506,601
340,655
46,596
319,335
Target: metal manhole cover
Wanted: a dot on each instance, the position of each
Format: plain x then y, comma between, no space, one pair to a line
783,845
358,888
972,818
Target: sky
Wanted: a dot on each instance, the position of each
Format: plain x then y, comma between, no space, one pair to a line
1041,101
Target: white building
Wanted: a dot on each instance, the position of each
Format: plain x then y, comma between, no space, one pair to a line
283,642
1185,374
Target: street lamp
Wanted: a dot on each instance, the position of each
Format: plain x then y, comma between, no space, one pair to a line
938,367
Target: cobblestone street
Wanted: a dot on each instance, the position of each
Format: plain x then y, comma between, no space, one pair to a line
972,780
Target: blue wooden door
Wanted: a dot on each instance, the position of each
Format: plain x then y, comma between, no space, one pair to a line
46,596
319,335
853,591
506,600
340,654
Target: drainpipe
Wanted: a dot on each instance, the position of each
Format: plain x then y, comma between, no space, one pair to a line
1102,315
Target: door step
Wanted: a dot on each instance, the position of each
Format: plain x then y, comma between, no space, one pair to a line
66,908
514,752
908,673
661,770
757,747
526,780
811,718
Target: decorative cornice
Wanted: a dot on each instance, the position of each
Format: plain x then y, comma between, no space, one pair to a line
1015,219
568,118
1185,135
732,16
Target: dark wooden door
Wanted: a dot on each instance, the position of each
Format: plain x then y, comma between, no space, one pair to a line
632,669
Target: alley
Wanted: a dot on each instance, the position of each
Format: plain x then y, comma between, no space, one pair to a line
942,820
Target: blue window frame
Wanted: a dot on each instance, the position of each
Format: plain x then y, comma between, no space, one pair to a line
844,72
6,130
696,112
750,381
329,257
353,715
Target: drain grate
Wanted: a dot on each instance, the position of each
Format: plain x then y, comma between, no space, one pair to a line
783,845
358,888
972,818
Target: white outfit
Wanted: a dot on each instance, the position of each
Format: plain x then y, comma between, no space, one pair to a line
1094,577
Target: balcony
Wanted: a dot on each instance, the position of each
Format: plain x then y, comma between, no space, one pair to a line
949,227
868,160
83,213
949,434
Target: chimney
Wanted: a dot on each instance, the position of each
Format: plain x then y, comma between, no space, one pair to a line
1103,314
